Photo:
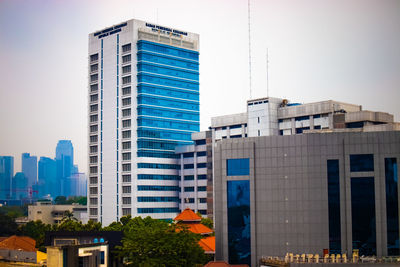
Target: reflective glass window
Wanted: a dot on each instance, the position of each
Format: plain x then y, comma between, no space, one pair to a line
237,167
362,163
392,206
334,207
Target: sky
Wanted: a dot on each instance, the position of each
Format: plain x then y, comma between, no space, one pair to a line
344,50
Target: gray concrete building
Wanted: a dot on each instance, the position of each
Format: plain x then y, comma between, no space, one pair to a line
307,193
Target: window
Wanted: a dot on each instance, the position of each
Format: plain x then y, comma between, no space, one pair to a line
158,177
93,190
93,149
188,166
93,159
93,180
189,189
202,188
158,166
238,207
258,131
158,188
392,206
93,211
126,167
334,207
126,69
302,118
202,177
202,154
126,200
158,199
202,200
200,142
203,212
126,178
158,210
126,156
188,177
237,167
94,77
189,200
93,118
94,108
93,138
126,48
94,98
94,128
126,112
126,211
126,101
363,215
94,57
126,90
126,80
126,134
126,123
126,145
126,189
201,165
94,87
93,201
126,59
362,163
94,67
236,126
93,169
188,155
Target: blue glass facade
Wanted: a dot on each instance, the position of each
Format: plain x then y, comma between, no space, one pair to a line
334,207
392,206
238,201
6,176
237,167
363,215
168,98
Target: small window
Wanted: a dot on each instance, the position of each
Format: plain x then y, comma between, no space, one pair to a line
126,101
93,180
126,112
94,87
126,145
93,159
126,80
126,48
201,165
126,59
93,211
126,200
93,190
201,153
93,201
126,90
188,155
94,77
94,67
126,69
93,128
189,189
93,139
126,178
202,188
94,57
126,156
94,108
188,177
200,142
93,149
126,134
94,98
126,211
126,167
362,163
126,189
126,123
237,167
93,169
93,118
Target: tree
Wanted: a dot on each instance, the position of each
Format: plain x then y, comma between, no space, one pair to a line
151,242
36,230
7,225
60,200
207,222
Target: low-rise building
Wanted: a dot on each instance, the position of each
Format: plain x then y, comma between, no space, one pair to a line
48,213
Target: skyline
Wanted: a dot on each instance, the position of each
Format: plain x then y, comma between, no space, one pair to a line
340,50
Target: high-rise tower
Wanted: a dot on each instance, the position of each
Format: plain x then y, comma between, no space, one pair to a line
143,102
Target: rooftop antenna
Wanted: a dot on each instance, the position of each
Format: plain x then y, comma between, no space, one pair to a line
248,16
267,75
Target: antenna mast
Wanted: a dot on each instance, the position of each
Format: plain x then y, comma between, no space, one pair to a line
248,15
267,75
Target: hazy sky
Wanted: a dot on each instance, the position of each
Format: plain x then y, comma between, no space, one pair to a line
318,50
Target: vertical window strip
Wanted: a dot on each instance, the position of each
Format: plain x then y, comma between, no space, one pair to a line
117,123
392,206
334,207
101,139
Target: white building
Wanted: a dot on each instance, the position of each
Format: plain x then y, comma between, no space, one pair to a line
143,102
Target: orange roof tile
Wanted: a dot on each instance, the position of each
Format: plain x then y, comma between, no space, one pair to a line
188,216
199,228
223,264
208,244
24,243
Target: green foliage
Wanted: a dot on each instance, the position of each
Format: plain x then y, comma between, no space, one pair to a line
36,230
7,225
151,242
15,211
207,222
62,200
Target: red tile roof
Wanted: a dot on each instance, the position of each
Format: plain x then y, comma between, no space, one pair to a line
199,228
188,216
24,243
223,264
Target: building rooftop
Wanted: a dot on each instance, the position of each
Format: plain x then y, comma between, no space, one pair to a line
14,242
188,215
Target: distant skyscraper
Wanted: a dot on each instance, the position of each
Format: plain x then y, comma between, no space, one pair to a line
143,102
20,186
47,173
29,168
65,163
6,174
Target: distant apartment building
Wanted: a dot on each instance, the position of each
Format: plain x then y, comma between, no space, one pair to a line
6,176
143,92
54,214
